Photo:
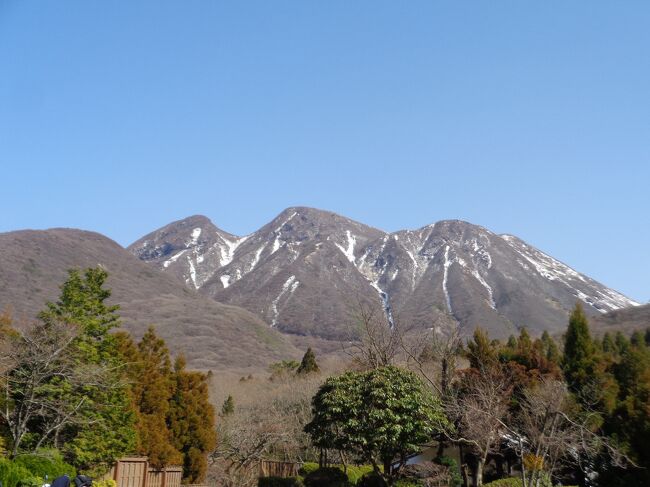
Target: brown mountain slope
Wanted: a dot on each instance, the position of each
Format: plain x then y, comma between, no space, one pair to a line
212,335
626,320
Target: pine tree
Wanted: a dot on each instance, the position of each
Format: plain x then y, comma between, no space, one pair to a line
192,421
107,406
228,406
308,364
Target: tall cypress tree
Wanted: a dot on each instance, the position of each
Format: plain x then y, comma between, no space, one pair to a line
579,362
153,387
481,352
586,368
192,421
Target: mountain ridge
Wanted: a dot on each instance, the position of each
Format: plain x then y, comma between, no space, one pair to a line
34,263
296,271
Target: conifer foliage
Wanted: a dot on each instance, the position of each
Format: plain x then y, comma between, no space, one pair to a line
176,422
308,364
191,421
64,387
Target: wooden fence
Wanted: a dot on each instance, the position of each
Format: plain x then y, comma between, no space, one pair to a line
136,472
269,468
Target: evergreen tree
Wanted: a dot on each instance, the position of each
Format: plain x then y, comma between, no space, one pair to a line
192,421
481,352
622,343
308,364
106,406
153,387
637,339
228,406
550,348
608,344
579,364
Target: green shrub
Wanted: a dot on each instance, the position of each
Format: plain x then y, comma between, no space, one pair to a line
46,462
14,475
371,480
307,468
408,483
327,477
277,482
104,483
507,482
456,478
354,472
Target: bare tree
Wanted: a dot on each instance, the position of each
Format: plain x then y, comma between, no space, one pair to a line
268,426
550,434
479,409
373,342
434,354
30,360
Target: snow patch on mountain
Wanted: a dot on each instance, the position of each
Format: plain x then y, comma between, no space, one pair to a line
290,286
349,251
227,251
388,310
447,263
553,270
225,280
174,258
196,233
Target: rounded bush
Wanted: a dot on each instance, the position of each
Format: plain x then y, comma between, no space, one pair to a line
326,477
371,480
279,482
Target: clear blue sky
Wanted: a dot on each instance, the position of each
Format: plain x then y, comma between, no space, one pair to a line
529,118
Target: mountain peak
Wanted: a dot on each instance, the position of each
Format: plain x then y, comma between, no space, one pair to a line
302,271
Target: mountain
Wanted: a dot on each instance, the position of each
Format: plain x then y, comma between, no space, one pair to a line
211,335
308,271
624,320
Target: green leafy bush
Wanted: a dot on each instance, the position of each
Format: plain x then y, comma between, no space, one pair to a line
371,480
104,483
327,477
278,482
14,475
507,482
46,462
354,472
307,468
408,483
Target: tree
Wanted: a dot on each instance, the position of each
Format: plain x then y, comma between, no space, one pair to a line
382,415
308,364
30,360
584,368
81,402
579,362
481,352
479,409
228,406
374,342
192,421
152,388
